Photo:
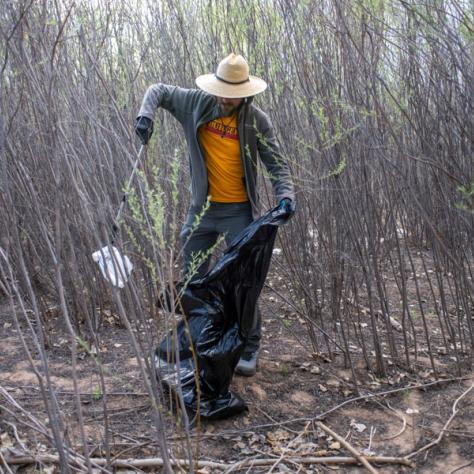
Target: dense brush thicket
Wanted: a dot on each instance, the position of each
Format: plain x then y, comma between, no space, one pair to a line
373,104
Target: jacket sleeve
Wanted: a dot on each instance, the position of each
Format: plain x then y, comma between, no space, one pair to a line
277,167
175,99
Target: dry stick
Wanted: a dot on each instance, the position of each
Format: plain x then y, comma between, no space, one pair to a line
3,462
460,433
129,449
460,468
138,463
286,449
403,427
445,427
256,407
349,447
68,392
17,437
153,462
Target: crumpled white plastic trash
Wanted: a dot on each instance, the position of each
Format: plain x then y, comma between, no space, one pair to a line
115,267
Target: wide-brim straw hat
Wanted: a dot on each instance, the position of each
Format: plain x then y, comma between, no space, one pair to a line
231,80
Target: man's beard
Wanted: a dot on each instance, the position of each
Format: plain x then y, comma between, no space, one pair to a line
227,111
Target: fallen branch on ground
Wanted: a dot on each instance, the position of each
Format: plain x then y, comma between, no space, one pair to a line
154,462
65,392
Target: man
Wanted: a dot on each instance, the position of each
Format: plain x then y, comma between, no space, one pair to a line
225,132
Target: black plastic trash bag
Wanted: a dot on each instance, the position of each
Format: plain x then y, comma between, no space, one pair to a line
218,315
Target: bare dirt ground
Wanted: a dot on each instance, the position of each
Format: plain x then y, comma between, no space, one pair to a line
291,391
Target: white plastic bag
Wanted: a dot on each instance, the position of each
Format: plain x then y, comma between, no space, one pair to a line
115,267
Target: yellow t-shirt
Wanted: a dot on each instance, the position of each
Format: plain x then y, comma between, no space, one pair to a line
220,141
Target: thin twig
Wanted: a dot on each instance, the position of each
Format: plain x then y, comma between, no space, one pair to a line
457,469
445,427
129,449
286,449
348,446
403,427
373,430
4,462
467,434
256,407
95,416
17,437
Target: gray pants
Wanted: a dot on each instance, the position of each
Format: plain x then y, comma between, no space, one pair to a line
227,219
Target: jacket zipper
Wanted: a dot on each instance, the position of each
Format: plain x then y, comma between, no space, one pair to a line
244,160
211,116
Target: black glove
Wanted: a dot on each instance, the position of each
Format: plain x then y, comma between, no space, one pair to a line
144,129
288,206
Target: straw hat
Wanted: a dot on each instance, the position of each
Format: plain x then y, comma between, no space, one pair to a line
232,79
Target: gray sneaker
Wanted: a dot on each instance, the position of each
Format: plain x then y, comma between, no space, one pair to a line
247,365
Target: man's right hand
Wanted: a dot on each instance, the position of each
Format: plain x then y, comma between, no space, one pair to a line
144,129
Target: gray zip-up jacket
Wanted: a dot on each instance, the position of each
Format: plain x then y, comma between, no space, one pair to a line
192,108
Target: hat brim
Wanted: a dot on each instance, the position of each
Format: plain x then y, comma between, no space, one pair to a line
210,84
